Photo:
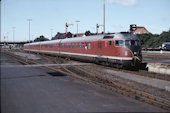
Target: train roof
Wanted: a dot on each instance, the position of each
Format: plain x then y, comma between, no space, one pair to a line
125,35
119,36
44,42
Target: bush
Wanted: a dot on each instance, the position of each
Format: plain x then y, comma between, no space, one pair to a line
154,40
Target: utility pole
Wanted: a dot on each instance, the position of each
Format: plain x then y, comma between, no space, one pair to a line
77,26
0,22
7,37
97,26
103,16
29,20
4,43
13,35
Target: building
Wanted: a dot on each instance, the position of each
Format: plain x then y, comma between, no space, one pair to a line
138,29
141,30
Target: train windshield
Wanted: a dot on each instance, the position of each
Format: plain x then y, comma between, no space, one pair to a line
132,43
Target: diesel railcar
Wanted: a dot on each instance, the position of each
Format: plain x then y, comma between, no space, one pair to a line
118,49
166,46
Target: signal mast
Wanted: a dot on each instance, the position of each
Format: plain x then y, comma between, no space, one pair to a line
67,25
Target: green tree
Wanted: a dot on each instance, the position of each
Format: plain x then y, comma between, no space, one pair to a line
154,40
70,35
41,38
88,33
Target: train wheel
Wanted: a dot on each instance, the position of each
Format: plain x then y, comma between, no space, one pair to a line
67,58
103,63
112,65
119,66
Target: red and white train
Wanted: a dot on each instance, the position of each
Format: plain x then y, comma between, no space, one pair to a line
118,49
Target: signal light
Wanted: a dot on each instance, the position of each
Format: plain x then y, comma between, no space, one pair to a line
133,27
97,26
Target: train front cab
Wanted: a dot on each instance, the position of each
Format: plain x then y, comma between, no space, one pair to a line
129,51
135,47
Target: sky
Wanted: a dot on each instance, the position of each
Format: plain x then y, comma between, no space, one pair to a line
53,14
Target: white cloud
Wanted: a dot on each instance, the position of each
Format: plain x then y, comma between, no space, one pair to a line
124,2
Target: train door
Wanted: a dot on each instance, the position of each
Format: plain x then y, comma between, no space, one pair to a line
86,47
98,51
59,46
39,47
99,48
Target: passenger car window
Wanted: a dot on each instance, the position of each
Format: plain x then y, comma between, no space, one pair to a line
62,45
76,45
72,45
89,45
110,43
80,44
83,44
69,45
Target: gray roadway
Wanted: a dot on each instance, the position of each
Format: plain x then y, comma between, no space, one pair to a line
37,90
150,60
160,53
155,54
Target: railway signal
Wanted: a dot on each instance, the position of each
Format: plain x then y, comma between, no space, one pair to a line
133,27
97,27
67,25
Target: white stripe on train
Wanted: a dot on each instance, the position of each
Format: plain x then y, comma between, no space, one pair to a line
87,55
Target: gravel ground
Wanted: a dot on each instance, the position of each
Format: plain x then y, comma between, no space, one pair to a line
139,86
99,71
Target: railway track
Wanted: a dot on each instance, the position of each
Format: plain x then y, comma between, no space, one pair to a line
142,72
92,78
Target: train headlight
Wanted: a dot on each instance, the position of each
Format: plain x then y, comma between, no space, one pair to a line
126,53
135,53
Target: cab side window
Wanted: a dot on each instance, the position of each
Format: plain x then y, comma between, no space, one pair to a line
119,43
